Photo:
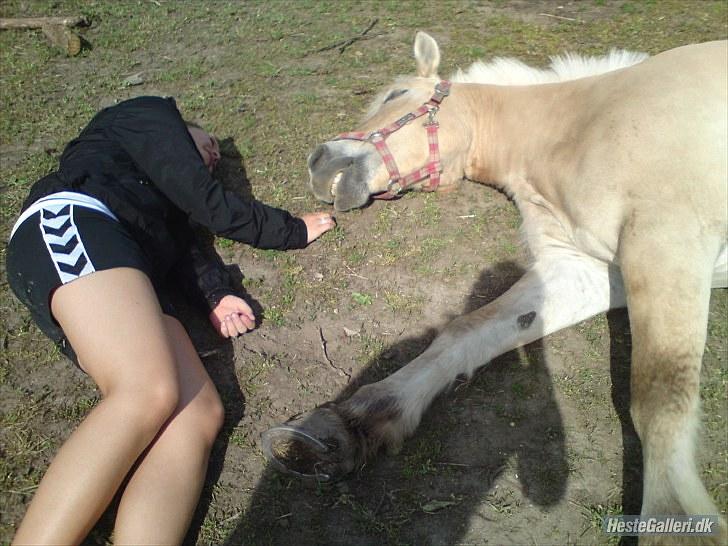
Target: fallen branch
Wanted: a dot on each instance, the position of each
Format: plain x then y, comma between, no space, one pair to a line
61,37
326,355
40,22
561,17
56,29
346,43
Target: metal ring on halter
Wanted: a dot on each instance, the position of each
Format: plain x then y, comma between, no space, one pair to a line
431,112
394,187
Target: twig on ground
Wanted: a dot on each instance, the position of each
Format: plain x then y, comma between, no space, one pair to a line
236,515
326,354
346,43
351,273
560,17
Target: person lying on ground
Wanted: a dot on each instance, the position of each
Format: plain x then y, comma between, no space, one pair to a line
92,256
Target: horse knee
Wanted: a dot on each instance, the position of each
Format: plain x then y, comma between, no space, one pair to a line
665,390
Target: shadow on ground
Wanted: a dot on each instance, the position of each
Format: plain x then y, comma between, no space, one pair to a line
440,485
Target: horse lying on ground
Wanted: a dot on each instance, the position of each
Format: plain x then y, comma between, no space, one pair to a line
618,166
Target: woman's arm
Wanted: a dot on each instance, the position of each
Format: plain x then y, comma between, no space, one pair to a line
153,133
205,281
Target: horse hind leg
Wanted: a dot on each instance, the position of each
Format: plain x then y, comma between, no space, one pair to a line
668,293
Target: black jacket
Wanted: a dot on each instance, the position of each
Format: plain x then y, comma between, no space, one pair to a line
139,159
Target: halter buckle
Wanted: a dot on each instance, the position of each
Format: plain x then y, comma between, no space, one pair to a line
394,187
431,112
441,91
404,120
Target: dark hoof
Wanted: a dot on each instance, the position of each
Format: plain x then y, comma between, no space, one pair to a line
315,446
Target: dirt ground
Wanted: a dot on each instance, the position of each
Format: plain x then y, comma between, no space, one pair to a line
535,449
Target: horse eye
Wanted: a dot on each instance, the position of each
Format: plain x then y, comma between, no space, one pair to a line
394,94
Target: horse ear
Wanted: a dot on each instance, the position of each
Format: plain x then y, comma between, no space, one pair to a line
427,55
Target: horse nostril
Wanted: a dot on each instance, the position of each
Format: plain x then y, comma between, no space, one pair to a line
316,156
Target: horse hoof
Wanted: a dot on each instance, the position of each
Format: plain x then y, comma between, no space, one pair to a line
314,446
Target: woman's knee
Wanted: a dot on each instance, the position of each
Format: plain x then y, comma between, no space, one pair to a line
210,415
200,412
149,405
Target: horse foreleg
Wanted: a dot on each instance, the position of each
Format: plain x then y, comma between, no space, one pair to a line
668,292
552,295
555,293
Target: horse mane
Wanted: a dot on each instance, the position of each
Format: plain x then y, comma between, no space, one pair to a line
568,66
510,71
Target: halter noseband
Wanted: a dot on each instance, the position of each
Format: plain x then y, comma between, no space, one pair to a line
433,168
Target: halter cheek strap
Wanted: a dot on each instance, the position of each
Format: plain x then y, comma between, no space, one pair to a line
433,167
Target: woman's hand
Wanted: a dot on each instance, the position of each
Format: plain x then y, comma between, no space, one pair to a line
232,317
318,223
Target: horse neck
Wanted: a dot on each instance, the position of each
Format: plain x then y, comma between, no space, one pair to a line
518,131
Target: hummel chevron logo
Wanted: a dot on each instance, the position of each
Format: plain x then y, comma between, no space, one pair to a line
67,248
58,231
73,269
64,243
48,213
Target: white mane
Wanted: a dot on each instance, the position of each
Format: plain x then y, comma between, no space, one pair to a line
569,66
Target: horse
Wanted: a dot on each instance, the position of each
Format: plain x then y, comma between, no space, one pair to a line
619,168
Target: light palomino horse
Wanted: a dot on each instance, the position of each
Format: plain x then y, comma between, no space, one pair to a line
619,167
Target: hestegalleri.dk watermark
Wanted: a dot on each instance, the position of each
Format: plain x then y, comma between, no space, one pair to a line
660,525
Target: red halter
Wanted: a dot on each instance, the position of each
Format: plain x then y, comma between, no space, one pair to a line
432,168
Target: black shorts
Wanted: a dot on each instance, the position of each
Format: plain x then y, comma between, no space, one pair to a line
61,243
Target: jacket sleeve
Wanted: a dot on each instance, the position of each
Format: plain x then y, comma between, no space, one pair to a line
201,273
152,131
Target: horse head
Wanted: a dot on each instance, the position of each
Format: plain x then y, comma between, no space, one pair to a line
409,139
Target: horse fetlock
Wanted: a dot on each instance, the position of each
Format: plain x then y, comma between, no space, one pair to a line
375,413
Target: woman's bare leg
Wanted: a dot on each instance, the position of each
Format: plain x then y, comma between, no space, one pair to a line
160,498
114,322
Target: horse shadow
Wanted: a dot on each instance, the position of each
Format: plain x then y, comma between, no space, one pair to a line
485,437
620,344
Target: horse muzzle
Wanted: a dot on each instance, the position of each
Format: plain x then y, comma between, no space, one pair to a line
337,177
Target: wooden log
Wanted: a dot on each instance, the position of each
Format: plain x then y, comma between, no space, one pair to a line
40,22
61,37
